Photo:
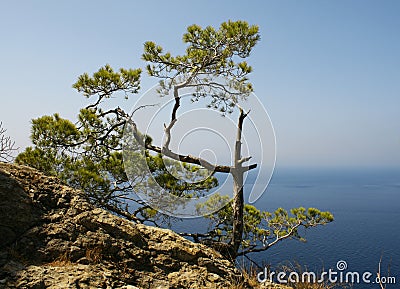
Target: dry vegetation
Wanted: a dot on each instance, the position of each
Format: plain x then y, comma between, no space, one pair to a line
250,275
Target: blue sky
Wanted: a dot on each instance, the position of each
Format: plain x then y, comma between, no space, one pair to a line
327,71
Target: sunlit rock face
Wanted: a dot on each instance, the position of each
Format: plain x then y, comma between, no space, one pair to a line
52,237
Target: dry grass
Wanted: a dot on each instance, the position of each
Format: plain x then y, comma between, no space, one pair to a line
250,275
61,261
309,284
250,280
94,255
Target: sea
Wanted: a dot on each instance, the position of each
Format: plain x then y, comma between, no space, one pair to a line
365,203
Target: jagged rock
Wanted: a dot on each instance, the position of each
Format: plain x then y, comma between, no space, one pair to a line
52,237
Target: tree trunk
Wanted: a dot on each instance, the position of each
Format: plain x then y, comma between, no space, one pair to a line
237,205
238,199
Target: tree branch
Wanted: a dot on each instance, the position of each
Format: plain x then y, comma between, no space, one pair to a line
7,146
249,168
195,236
243,160
269,245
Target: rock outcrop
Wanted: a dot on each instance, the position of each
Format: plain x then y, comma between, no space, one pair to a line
52,237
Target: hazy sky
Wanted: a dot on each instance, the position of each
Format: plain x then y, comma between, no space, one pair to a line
328,72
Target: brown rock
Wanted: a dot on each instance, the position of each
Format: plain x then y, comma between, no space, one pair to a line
52,237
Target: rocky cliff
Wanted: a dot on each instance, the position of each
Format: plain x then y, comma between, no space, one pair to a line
52,237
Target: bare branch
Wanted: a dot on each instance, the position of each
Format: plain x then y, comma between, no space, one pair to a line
178,157
167,130
121,212
382,284
176,94
378,274
243,160
191,159
195,236
7,146
143,106
249,168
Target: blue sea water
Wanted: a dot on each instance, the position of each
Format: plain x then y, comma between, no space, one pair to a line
366,207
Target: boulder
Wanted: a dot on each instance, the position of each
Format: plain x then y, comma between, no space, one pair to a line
51,236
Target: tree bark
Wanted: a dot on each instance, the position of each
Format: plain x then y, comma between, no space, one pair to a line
238,199
237,205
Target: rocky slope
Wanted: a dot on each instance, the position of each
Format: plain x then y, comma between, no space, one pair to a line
51,237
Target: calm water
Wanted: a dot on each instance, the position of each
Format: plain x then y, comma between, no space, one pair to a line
365,204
